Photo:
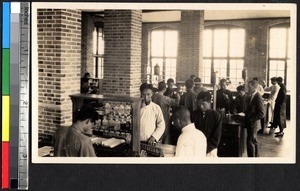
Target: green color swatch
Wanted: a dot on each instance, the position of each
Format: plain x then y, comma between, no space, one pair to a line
5,71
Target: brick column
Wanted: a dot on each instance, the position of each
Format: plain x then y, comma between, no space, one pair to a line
190,57
122,61
59,48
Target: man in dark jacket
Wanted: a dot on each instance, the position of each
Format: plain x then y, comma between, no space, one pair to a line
189,98
280,109
209,122
254,113
224,97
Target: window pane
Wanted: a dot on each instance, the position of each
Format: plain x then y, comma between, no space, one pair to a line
237,42
170,69
207,43
157,39
220,42
207,71
100,67
289,73
94,40
100,42
220,66
236,68
158,61
171,43
278,42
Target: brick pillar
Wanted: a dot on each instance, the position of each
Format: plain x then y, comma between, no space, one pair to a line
122,61
59,48
190,57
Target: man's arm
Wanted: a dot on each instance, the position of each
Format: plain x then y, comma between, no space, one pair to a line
160,124
260,108
215,137
181,148
87,149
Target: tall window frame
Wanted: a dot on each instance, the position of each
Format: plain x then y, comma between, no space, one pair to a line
279,52
163,50
98,49
228,63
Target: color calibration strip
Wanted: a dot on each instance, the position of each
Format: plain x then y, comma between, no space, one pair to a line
5,93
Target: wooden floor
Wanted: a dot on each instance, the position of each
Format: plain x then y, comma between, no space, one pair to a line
271,146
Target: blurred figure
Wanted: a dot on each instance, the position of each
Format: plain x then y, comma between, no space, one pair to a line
260,89
152,124
189,98
199,86
254,113
279,118
85,86
165,104
192,77
240,102
274,89
191,142
170,89
224,97
209,122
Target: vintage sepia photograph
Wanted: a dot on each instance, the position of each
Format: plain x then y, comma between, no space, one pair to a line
163,83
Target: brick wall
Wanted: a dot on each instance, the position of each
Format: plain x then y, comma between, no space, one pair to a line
122,60
59,47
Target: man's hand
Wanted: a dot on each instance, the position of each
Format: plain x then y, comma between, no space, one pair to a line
152,140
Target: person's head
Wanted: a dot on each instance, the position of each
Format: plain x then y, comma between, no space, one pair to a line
252,85
223,84
279,80
255,79
170,83
189,84
241,90
198,82
87,116
274,81
192,77
162,86
146,92
181,117
204,101
87,75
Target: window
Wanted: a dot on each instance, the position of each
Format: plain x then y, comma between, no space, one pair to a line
98,49
163,51
279,53
224,53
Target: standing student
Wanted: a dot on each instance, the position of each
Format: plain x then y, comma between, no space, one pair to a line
240,102
191,142
165,104
254,113
224,97
274,89
189,98
152,124
199,86
209,122
280,109
170,89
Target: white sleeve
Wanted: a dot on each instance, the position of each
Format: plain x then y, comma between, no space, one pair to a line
160,124
181,148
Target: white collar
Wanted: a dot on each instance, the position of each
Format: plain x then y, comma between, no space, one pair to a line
188,127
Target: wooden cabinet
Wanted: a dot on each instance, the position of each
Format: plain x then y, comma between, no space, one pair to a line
132,146
233,139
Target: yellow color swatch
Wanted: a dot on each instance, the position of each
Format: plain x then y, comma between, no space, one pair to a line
5,118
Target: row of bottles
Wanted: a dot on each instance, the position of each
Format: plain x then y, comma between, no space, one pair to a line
118,123
117,109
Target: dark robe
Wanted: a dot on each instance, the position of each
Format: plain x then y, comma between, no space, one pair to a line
222,101
189,100
240,104
279,118
211,125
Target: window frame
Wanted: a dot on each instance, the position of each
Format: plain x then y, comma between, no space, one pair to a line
98,25
227,57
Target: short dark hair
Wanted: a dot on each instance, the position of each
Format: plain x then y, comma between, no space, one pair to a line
223,80
161,86
197,79
146,86
273,79
255,78
87,112
205,96
240,88
170,80
181,113
253,83
192,76
279,79
189,83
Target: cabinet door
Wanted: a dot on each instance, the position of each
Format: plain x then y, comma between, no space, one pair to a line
228,147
